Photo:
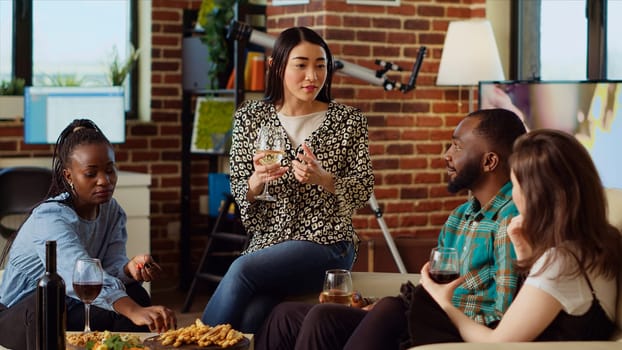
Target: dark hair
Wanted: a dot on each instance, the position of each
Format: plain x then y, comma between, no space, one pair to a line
286,41
564,202
77,133
500,135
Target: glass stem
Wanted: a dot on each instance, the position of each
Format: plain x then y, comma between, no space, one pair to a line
87,317
265,188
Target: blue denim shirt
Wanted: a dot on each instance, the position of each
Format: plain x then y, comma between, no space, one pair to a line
104,238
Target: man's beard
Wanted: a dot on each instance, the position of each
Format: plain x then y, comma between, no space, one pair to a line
466,177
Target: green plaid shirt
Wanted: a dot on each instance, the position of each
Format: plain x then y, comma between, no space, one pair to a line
486,255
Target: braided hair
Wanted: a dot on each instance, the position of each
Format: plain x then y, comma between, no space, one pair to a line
77,133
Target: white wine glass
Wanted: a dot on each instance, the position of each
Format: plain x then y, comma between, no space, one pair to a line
271,143
444,265
88,277
338,287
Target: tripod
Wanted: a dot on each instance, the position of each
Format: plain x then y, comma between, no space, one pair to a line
373,203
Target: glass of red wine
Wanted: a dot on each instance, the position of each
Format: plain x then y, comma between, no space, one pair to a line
87,282
338,287
444,265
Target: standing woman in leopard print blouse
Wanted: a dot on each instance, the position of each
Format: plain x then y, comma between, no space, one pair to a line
325,175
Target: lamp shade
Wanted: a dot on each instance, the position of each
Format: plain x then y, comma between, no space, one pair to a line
470,54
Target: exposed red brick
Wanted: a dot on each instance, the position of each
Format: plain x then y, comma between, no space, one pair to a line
413,163
430,11
385,163
160,15
166,143
141,156
417,24
408,132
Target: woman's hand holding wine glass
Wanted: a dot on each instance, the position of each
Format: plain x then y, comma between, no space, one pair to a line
444,265
88,277
441,275
270,145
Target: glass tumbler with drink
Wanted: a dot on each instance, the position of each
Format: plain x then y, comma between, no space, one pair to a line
87,283
338,287
271,142
444,265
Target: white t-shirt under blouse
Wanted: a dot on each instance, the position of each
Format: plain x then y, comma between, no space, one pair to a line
299,127
573,293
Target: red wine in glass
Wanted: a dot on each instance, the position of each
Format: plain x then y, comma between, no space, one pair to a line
444,265
87,283
443,277
87,292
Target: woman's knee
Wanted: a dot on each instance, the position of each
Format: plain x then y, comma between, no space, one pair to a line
323,313
390,304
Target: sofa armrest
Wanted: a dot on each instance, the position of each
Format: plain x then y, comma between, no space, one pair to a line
381,284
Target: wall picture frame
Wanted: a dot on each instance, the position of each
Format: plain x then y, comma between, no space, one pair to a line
213,123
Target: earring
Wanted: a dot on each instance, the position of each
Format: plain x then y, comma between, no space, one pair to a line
72,188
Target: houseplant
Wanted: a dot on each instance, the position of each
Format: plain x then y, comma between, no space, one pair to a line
118,70
214,17
12,98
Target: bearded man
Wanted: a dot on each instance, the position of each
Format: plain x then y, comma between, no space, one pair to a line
477,161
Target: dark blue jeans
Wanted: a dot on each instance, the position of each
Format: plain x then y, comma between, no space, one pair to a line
258,281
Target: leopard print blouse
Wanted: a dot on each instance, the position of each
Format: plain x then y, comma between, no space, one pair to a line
304,211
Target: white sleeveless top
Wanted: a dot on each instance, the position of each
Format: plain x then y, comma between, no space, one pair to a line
573,292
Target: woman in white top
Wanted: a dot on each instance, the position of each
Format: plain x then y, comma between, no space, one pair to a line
564,244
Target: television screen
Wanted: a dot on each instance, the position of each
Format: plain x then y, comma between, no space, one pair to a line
48,110
590,110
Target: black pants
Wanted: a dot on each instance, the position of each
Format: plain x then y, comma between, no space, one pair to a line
427,321
393,323
17,324
301,326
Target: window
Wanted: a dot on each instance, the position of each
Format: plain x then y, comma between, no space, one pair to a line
614,45
73,42
563,40
567,39
6,49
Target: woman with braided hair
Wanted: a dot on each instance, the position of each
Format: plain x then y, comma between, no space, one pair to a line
86,222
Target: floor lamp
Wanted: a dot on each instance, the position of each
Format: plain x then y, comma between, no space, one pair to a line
469,56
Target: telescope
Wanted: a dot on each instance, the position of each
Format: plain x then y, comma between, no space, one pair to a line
244,32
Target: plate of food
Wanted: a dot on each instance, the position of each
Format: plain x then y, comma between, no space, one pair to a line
103,340
199,336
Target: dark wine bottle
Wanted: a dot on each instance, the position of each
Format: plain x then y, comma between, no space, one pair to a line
51,311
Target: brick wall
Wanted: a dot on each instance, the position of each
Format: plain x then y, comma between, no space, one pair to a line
408,132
